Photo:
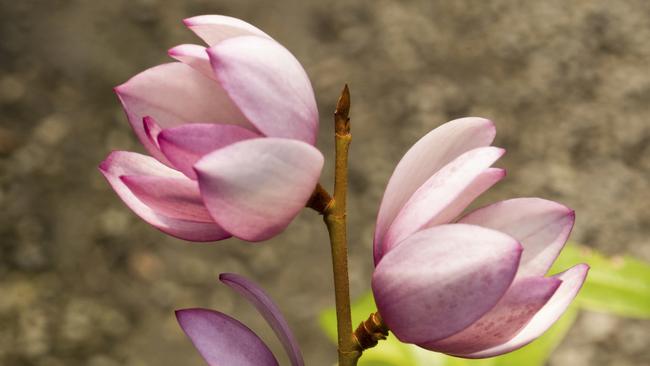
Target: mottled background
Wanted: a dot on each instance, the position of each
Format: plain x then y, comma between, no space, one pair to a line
84,282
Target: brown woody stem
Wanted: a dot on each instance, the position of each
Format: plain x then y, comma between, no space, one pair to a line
370,332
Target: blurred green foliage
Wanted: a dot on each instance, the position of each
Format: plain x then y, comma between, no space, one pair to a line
618,285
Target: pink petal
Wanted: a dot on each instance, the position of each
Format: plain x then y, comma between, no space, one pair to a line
216,28
433,151
122,163
515,309
572,281
446,194
442,279
174,94
268,85
194,56
269,310
222,340
151,130
254,188
184,145
541,226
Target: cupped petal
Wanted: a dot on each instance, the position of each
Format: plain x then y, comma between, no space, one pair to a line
268,85
184,145
194,56
269,310
572,280
222,340
433,151
122,163
445,195
442,279
174,94
215,28
542,227
515,309
254,188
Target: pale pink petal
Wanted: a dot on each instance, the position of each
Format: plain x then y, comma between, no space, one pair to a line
254,188
194,56
441,280
268,85
445,195
222,340
572,281
540,225
174,94
184,145
433,151
269,310
122,163
151,130
216,28
515,309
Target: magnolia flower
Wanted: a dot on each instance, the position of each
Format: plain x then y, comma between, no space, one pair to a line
472,287
231,130
222,340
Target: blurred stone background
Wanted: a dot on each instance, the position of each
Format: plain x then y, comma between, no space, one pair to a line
84,282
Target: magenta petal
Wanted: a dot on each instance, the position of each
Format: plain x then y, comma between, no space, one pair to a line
222,340
572,281
540,225
445,195
122,163
268,85
254,188
216,28
441,280
269,310
184,145
515,309
174,94
194,56
433,151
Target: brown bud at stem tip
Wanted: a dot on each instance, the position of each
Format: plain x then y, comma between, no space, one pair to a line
370,332
342,112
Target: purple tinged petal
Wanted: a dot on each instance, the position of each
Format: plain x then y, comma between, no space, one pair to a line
572,280
269,310
541,226
268,85
255,188
515,309
216,28
174,94
440,280
184,145
445,195
122,163
194,56
222,340
433,151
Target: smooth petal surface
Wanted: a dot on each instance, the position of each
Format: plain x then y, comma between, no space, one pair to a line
194,56
268,85
174,94
121,163
433,151
216,28
222,340
254,188
540,225
269,310
445,195
184,145
515,309
442,279
572,281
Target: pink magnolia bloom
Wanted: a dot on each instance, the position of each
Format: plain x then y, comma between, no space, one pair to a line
222,340
473,286
231,128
